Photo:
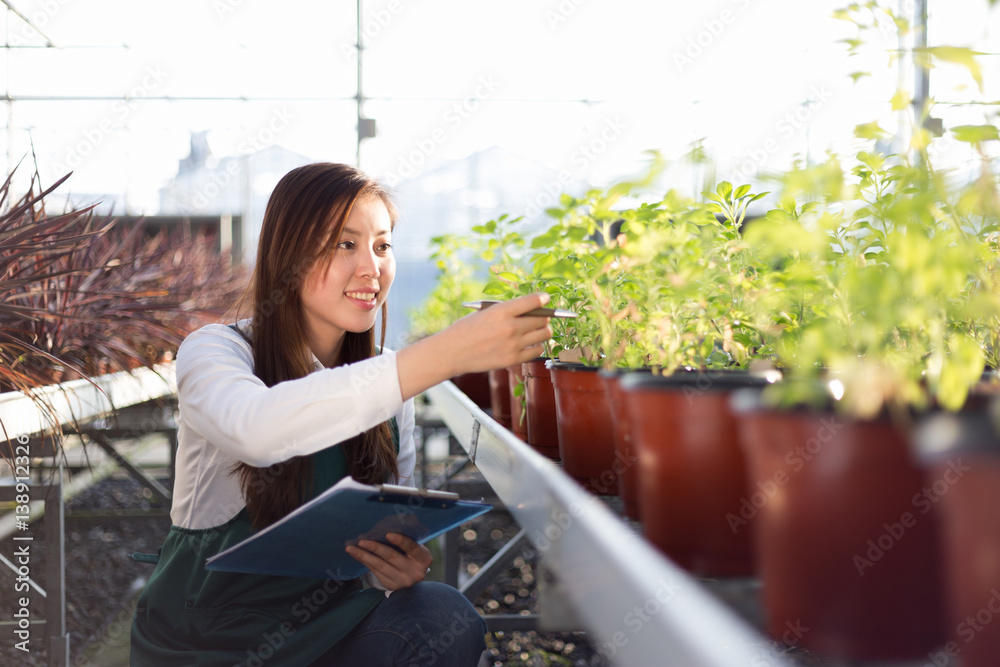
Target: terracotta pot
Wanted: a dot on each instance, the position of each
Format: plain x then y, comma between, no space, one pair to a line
500,396
543,434
476,386
518,418
583,421
692,472
628,480
843,548
961,456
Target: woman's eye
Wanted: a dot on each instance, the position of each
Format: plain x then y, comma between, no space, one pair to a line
385,247
346,245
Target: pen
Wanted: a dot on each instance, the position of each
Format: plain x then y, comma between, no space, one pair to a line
537,312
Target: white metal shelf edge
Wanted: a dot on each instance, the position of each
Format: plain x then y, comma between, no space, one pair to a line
81,399
641,608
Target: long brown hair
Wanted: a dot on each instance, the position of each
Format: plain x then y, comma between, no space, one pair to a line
302,226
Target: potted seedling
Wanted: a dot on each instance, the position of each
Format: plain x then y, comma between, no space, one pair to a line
501,246
692,469
876,294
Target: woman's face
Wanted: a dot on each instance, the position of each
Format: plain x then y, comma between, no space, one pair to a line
347,294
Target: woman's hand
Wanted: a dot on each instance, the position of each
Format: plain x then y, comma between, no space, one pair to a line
495,337
393,569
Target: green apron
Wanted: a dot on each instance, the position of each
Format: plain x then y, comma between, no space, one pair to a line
187,615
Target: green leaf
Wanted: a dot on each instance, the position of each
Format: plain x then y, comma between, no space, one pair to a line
901,100
852,44
495,288
742,190
870,130
958,55
725,188
975,134
962,369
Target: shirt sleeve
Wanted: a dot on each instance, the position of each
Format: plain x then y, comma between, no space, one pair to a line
221,399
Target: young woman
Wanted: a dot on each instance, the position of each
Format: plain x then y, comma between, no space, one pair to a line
275,409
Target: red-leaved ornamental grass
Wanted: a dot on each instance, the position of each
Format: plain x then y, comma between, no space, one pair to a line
81,296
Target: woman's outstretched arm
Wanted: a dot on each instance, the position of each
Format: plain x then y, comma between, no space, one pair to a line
495,337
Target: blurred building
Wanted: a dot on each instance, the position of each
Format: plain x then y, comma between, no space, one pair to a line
238,185
448,196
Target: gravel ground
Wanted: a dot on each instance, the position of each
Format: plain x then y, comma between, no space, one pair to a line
514,592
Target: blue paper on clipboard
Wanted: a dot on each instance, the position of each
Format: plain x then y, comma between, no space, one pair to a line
310,541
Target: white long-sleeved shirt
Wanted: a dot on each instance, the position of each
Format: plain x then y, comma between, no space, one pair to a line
228,415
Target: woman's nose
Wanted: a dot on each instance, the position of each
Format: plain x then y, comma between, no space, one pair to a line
368,264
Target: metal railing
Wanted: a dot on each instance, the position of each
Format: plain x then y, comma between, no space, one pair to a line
69,404
639,608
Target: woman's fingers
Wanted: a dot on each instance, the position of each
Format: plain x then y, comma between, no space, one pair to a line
420,554
506,334
523,304
394,569
495,337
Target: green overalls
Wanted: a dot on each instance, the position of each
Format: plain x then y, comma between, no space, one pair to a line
188,615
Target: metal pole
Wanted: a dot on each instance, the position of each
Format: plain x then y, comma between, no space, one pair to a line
922,75
360,97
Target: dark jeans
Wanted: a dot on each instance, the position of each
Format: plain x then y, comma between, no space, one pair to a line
427,624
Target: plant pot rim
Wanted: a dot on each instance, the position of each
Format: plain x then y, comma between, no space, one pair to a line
712,381
942,436
618,373
555,364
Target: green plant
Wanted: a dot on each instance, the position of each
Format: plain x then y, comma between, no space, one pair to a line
694,277
583,262
456,283
876,293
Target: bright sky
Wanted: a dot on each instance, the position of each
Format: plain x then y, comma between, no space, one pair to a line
759,80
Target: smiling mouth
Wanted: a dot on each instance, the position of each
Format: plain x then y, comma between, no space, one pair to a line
362,296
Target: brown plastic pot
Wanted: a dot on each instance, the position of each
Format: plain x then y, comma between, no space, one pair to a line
543,433
476,386
500,396
583,424
692,470
628,480
961,457
518,418
842,547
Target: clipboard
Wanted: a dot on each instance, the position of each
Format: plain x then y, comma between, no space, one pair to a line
310,541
